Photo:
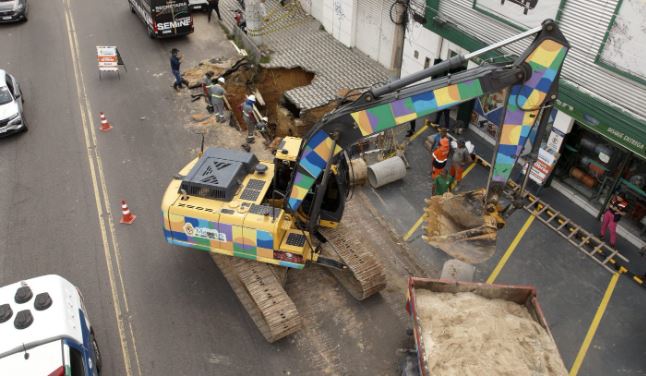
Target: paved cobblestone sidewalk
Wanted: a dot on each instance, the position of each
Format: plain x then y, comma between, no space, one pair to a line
296,39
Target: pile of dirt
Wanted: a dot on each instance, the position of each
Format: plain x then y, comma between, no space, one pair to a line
195,74
466,334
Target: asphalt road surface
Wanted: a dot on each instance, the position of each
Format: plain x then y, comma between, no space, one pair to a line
156,309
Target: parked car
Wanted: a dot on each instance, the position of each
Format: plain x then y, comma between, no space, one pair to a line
45,330
13,10
12,118
198,5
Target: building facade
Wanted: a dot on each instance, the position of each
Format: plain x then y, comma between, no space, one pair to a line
374,27
596,145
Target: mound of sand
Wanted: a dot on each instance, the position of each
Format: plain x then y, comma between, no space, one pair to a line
466,334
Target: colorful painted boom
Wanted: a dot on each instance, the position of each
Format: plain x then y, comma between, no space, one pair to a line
531,78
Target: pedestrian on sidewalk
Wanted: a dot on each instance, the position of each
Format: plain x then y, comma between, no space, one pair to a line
175,62
440,157
213,5
460,160
442,183
249,118
216,95
612,215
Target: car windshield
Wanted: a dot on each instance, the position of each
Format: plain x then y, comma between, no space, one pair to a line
5,95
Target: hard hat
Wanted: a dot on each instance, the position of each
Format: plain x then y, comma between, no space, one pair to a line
251,98
221,80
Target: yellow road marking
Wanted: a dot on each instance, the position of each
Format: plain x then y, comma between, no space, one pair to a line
94,157
594,325
419,221
414,228
419,132
510,250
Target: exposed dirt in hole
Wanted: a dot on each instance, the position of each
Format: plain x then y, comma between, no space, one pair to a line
271,83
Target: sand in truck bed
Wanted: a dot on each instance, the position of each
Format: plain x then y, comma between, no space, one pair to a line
466,334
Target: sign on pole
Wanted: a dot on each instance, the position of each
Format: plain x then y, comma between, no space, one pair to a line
109,59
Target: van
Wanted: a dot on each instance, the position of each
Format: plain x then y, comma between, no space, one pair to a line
164,18
45,330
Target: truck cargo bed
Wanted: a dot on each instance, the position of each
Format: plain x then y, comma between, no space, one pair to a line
524,296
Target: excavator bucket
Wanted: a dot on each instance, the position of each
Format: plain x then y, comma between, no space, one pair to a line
459,225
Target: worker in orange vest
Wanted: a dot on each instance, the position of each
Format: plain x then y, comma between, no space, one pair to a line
440,156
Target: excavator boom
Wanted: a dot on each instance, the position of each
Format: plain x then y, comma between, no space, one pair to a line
531,81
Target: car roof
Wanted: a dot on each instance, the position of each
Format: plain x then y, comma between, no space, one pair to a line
60,320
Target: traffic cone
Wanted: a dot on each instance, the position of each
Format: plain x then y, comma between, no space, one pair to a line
126,216
105,126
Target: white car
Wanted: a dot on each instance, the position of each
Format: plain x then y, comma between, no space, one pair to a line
12,118
197,4
44,330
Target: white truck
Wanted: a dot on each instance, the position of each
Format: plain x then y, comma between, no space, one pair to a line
44,330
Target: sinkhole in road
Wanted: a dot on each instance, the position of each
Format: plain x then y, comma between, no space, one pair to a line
272,83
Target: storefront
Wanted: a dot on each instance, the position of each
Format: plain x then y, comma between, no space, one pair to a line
596,168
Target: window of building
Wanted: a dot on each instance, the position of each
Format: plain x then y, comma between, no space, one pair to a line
427,62
416,54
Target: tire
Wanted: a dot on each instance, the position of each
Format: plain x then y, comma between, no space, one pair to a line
97,354
151,34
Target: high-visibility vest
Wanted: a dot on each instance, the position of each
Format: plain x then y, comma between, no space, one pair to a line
441,154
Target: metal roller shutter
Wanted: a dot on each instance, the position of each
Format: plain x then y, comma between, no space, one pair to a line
584,23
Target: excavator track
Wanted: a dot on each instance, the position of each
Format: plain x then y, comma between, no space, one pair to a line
366,275
260,290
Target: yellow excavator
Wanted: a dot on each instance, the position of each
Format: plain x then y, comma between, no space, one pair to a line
260,218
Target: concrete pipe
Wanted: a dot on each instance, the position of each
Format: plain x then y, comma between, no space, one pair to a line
358,171
386,171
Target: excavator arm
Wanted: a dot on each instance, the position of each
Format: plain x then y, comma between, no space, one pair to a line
531,81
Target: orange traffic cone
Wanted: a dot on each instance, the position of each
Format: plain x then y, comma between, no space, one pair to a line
105,126
126,216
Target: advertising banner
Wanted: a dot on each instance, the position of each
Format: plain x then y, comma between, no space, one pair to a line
522,13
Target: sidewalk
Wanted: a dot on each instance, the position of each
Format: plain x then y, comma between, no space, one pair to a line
296,39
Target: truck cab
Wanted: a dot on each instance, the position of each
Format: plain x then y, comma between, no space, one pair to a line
45,330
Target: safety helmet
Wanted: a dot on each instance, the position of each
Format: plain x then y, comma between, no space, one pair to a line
251,98
221,80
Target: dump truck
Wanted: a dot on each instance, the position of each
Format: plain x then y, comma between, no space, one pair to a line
476,328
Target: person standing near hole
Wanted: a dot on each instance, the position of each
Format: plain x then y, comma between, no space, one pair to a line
213,5
175,63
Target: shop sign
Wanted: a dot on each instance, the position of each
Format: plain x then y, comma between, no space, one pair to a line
543,167
554,141
624,137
